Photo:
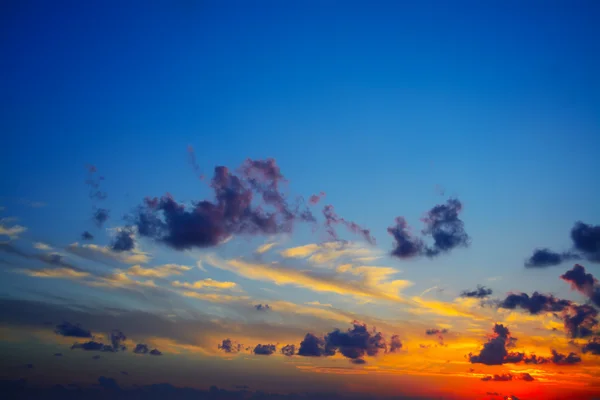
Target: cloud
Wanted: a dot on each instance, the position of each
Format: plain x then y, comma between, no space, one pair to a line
395,344
63,273
586,239
288,350
214,297
116,338
264,349
583,282
141,348
161,271
542,258
87,236
42,246
123,241
72,330
480,293
535,304
105,255
12,232
371,284
100,216
442,224
228,346
436,331
524,376
561,359
494,351
206,284
260,307
593,346
314,346
580,320
331,219
265,247
207,224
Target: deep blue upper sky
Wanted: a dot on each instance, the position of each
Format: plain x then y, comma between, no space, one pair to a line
496,101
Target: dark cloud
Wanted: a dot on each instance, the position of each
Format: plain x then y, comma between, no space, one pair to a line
356,342
593,346
100,216
395,344
141,348
580,320
479,293
91,346
495,352
405,246
229,347
535,303
261,307
264,349
116,339
155,352
586,239
208,223
442,224
435,331
87,236
123,241
71,330
508,377
314,346
331,219
526,377
359,361
584,283
542,258
445,227
288,350
561,359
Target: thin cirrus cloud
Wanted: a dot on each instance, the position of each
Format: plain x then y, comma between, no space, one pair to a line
160,271
106,255
206,284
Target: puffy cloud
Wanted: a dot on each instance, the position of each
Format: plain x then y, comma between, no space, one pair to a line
562,359
442,224
105,255
72,330
495,352
124,240
161,271
208,223
228,346
395,344
593,346
535,303
288,350
586,239
580,320
144,349
264,349
314,346
206,284
480,293
583,282
116,338
542,258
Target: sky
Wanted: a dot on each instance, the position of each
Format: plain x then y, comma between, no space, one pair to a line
300,199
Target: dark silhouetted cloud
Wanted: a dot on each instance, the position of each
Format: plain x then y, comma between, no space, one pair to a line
480,293
314,346
586,239
580,320
593,346
116,339
561,359
71,330
141,348
261,307
100,216
435,331
207,223
542,258
508,377
495,352
535,303
584,283
87,236
264,349
405,246
91,346
155,352
228,346
356,342
288,350
123,241
445,227
395,344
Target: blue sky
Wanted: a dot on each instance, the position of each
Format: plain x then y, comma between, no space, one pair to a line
376,104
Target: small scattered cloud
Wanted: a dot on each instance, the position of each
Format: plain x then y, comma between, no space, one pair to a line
42,246
13,232
141,348
265,247
264,349
72,330
542,258
229,346
260,307
161,271
480,293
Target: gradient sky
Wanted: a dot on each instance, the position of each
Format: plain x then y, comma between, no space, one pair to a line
390,108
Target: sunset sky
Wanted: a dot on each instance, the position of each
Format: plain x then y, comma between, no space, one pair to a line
330,199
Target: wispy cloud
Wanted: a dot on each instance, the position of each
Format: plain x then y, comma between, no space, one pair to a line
206,284
161,271
104,254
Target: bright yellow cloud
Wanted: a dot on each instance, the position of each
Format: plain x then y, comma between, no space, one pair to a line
265,247
161,271
214,297
206,284
67,273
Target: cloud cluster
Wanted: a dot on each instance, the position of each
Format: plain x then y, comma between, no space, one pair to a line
508,377
246,203
141,348
228,346
442,224
586,244
583,282
481,292
264,349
